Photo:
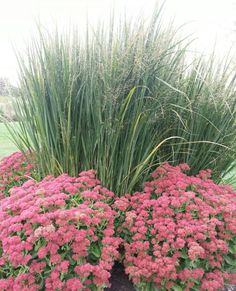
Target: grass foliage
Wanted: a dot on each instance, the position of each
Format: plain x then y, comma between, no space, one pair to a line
122,100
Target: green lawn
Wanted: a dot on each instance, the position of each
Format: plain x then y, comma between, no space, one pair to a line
6,145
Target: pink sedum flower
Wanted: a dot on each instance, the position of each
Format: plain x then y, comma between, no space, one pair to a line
57,233
178,230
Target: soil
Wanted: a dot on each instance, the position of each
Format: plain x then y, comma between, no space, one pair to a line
120,281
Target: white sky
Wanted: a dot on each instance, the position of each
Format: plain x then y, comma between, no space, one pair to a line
210,21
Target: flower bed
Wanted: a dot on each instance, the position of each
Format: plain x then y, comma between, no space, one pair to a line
180,232
57,234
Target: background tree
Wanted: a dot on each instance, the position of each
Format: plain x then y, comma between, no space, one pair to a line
7,89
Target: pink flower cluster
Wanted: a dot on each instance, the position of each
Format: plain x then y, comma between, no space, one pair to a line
14,170
179,232
57,234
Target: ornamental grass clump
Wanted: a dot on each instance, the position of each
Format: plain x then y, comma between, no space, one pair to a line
179,232
57,234
123,99
14,171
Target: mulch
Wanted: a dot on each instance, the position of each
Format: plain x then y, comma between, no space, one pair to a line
119,280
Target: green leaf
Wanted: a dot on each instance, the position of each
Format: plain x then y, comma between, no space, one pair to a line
184,254
95,250
232,249
177,288
231,261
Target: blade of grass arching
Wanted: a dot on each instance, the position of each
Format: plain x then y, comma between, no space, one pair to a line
140,168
